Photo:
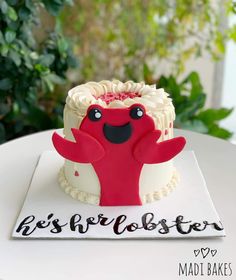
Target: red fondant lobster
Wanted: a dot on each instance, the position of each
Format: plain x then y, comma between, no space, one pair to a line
117,142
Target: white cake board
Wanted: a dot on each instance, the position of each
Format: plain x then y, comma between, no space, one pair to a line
46,206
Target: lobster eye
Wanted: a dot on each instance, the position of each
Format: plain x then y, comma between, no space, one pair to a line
95,114
136,113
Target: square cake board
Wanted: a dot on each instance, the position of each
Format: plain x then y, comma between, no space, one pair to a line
186,212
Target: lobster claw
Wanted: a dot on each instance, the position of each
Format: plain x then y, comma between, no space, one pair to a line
86,149
147,150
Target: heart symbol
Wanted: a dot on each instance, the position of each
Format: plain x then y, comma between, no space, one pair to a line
205,252
213,252
196,252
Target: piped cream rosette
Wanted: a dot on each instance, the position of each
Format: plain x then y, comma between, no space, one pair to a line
156,180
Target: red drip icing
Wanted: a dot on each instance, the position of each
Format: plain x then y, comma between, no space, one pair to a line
166,131
76,173
111,96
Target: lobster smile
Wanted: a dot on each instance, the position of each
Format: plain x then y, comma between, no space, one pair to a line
117,134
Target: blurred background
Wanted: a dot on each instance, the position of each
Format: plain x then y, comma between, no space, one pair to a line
48,46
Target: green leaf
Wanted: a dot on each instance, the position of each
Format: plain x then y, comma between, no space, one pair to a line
170,85
196,87
41,69
24,13
3,6
232,33
220,132
194,125
12,14
16,108
219,42
55,79
62,45
48,83
15,56
69,2
10,36
4,50
53,6
29,4
189,108
46,59
209,116
34,55
5,84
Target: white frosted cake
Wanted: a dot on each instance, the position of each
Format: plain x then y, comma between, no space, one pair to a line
118,110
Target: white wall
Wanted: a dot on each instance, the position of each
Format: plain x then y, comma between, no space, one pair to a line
205,68
229,82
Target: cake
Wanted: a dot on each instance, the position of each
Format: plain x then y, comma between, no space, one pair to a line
118,144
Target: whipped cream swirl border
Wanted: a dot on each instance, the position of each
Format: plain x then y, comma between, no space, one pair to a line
156,101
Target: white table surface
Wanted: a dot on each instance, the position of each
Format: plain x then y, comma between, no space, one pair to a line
111,259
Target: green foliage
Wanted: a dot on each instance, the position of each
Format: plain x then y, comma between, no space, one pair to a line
154,32
30,70
55,6
189,100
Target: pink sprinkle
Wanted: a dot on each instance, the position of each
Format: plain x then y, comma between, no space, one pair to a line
170,125
76,173
111,96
